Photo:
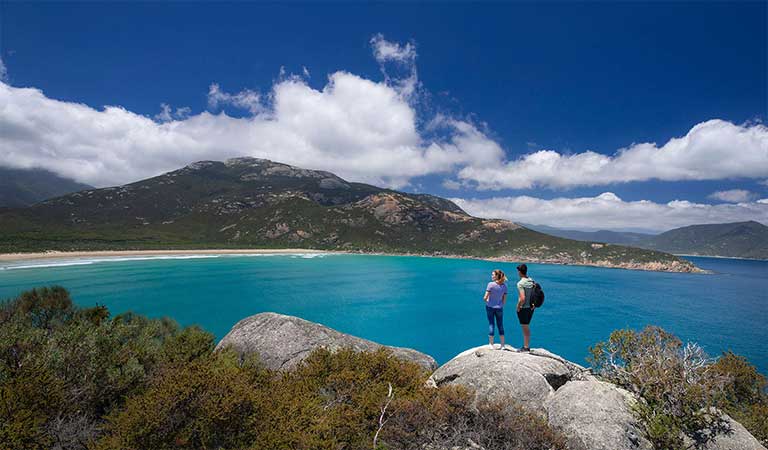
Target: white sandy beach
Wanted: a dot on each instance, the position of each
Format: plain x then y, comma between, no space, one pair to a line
118,253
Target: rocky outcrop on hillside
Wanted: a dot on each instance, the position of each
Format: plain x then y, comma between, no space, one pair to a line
281,341
529,379
738,438
592,414
595,415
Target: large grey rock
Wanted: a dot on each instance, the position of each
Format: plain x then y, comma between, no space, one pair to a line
595,415
528,378
283,341
737,438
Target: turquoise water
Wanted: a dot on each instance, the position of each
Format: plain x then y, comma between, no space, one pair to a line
431,304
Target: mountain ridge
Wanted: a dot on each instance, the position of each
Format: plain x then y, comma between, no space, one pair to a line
257,203
24,187
747,239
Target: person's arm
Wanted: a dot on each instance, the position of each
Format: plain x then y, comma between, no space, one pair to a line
485,297
520,299
504,299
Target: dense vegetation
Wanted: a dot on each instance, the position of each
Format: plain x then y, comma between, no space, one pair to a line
252,203
682,389
74,378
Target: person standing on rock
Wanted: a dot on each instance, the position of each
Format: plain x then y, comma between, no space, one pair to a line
524,306
495,298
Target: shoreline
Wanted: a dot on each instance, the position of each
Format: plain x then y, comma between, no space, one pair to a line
720,257
53,255
9,257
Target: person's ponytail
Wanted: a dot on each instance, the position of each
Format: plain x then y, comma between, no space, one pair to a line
500,276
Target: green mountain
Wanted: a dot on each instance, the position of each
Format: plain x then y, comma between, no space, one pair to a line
256,203
739,239
23,187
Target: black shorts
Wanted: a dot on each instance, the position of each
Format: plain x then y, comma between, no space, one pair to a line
525,315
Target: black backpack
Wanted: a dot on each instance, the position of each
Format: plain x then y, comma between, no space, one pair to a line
537,295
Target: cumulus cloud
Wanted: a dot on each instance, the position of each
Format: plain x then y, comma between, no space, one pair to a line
245,99
361,129
732,196
608,211
711,150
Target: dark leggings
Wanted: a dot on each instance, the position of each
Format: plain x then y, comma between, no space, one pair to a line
496,314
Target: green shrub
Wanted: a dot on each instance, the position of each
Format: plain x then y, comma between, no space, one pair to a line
96,363
28,402
744,395
680,386
332,400
210,402
446,418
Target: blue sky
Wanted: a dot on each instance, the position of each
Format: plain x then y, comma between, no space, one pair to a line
563,77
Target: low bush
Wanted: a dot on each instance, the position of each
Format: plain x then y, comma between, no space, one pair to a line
209,402
65,367
682,389
744,396
332,400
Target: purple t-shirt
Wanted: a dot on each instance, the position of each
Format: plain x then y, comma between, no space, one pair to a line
495,292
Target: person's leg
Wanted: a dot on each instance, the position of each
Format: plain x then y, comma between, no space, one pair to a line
526,336
500,325
489,314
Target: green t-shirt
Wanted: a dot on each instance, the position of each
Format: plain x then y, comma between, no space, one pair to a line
526,285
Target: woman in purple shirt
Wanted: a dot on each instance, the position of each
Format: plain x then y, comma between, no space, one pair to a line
495,298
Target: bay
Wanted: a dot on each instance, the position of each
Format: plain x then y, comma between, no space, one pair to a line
433,305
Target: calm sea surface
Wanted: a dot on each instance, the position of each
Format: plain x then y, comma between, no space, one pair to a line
431,304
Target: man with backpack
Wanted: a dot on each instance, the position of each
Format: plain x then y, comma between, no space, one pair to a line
530,296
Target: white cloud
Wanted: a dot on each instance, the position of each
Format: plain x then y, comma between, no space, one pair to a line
384,50
361,129
712,150
732,196
358,128
245,99
608,211
404,59
167,114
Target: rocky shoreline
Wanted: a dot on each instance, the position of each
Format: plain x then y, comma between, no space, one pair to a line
591,413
